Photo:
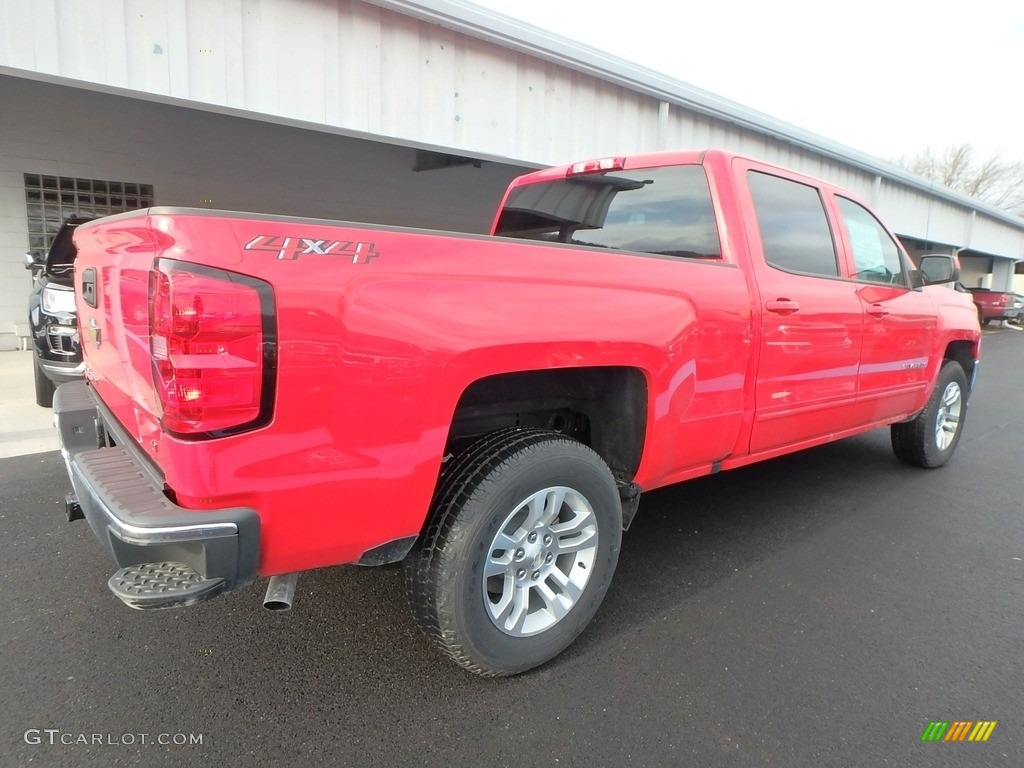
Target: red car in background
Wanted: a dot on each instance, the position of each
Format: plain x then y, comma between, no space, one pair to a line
996,305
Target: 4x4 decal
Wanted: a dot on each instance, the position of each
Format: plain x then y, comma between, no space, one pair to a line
291,248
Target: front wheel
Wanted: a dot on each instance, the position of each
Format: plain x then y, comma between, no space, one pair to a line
44,387
930,438
519,552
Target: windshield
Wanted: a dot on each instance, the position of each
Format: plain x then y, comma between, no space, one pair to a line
665,211
60,260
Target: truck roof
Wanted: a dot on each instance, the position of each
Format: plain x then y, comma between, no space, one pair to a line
640,160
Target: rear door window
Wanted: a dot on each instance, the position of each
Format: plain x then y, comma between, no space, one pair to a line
795,232
665,211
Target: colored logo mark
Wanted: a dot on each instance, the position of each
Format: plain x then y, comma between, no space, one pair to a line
959,730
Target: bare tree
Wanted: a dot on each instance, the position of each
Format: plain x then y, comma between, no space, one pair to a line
995,180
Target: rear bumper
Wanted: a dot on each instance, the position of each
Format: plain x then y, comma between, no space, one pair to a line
1001,313
122,497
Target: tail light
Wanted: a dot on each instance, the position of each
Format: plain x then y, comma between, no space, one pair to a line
213,342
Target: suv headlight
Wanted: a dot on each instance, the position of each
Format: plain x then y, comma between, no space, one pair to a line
57,300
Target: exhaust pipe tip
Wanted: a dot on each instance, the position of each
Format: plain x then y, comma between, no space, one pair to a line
280,592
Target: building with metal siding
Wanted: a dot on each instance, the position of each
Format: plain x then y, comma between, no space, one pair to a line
397,75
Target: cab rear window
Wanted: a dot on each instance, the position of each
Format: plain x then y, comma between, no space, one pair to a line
665,211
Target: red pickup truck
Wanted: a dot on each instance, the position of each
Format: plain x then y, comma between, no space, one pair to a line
996,305
266,395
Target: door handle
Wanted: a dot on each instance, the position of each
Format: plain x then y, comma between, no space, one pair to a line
877,310
782,306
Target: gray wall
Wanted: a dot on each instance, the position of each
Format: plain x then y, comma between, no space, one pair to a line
201,159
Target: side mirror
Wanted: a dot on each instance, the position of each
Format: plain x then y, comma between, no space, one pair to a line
34,261
938,268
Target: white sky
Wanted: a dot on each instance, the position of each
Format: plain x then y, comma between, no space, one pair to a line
888,77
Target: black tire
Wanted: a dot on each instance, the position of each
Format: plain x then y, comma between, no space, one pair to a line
930,439
483,493
44,387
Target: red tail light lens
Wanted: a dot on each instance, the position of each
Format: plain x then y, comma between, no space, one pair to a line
212,340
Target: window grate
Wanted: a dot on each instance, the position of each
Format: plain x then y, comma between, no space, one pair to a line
51,200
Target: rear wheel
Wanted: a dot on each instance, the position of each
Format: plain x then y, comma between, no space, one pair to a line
44,387
519,553
930,439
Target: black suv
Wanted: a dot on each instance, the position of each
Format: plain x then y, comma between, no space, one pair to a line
51,313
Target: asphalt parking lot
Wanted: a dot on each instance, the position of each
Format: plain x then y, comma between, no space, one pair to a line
817,610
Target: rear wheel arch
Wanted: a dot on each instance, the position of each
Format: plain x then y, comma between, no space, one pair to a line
605,408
